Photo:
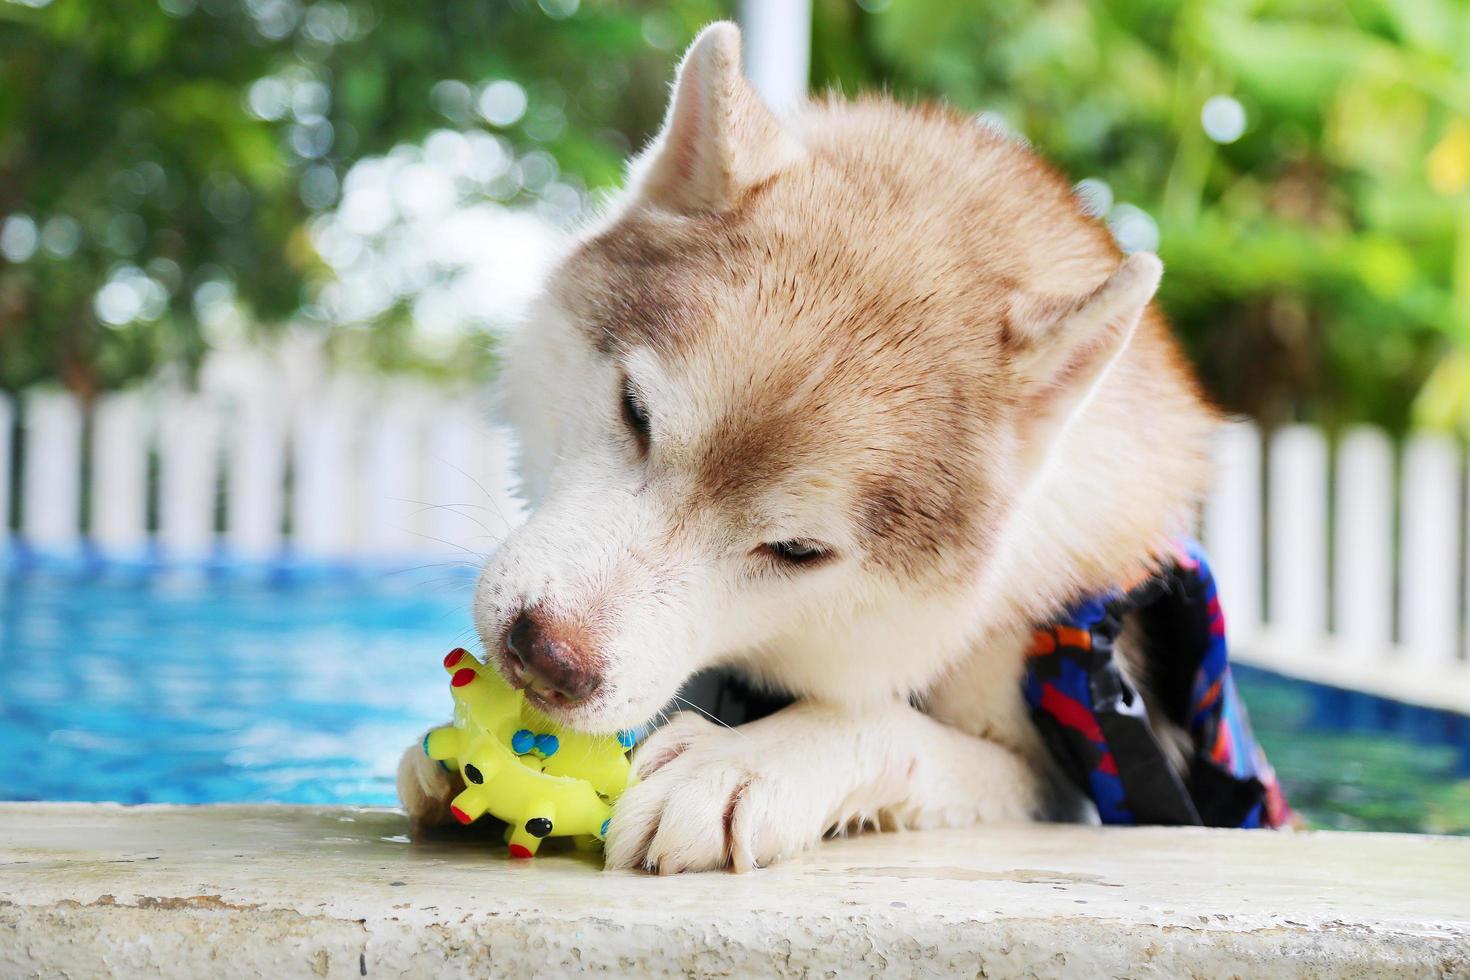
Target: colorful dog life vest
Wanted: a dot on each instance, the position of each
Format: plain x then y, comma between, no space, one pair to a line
1094,723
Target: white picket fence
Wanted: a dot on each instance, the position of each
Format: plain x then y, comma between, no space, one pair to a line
1344,561
361,474
1341,561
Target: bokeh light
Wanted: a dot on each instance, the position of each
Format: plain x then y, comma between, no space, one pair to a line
1095,196
1223,118
998,123
502,103
1134,229
559,9
60,236
130,295
18,238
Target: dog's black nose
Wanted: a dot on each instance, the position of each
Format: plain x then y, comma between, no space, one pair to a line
550,660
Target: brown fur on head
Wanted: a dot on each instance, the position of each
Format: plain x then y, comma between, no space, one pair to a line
886,332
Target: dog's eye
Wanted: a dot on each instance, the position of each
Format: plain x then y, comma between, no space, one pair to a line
797,552
636,416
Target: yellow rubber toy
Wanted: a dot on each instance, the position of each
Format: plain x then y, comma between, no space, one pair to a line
520,767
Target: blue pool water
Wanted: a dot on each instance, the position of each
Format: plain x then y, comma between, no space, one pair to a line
137,687
305,688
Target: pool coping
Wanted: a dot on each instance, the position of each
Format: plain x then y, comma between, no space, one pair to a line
308,891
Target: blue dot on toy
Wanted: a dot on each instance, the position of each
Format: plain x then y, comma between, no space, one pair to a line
547,744
627,738
602,832
523,741
442,764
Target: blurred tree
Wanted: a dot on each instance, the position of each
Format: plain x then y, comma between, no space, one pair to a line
159,159
1302,166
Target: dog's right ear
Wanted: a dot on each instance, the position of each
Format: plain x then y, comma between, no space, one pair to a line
718,138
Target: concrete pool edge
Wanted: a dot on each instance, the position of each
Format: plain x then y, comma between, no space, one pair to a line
287,891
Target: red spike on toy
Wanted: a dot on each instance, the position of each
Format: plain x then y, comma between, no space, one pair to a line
519,851
454,656
462,677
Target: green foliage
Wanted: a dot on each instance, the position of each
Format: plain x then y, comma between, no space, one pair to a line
1318,265
139,149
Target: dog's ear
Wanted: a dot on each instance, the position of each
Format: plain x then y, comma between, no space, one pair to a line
718,138
1063,348
1059,341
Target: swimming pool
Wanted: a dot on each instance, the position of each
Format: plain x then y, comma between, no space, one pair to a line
301,686
297,687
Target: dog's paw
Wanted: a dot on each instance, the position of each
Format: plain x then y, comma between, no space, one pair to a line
710,798
425,789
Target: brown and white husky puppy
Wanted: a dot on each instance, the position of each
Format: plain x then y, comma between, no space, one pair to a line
848,401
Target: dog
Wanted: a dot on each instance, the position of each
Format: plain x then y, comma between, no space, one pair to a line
848,402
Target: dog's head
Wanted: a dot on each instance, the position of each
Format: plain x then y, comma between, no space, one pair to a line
797,385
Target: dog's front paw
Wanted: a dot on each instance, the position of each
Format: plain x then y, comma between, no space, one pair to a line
425,788
710,798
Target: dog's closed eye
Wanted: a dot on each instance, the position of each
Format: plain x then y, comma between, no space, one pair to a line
797,552
635,415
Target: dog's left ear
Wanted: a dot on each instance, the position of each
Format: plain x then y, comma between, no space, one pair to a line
1064,348
718,138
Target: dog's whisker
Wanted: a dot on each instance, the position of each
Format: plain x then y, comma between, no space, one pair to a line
424,507
455,583
479,556
489,497
454,563
430,506
717,721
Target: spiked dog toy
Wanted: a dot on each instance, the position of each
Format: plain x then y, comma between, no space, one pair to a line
520,767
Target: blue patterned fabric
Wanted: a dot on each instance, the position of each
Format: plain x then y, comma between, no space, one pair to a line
1094,720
